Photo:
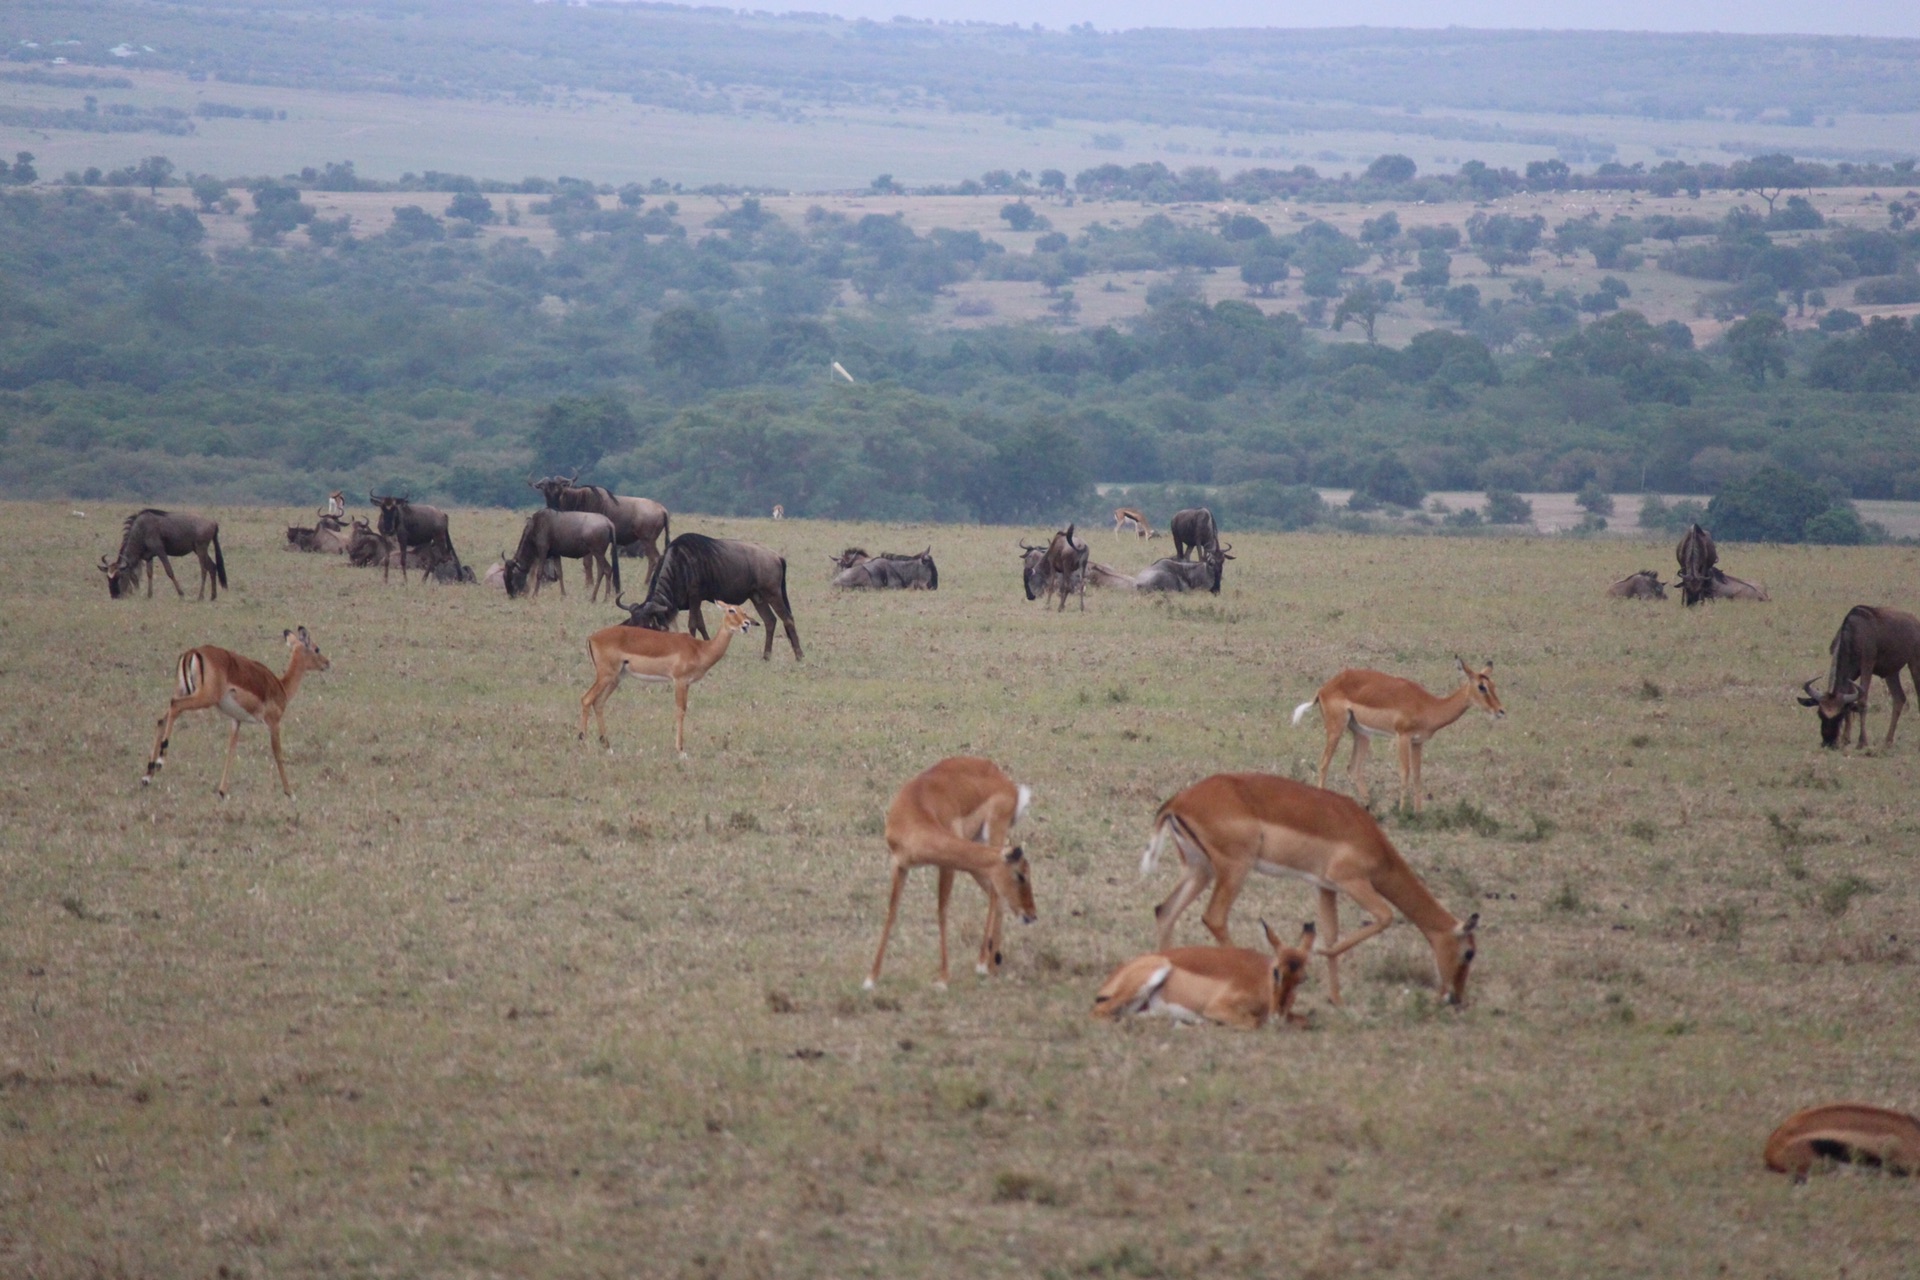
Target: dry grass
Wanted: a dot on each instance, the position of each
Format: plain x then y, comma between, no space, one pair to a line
487,1001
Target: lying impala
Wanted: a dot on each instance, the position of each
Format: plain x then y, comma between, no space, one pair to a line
1850,1131
245,691
1375,705
1230,825
1230,985
955,817
660,657
1125,518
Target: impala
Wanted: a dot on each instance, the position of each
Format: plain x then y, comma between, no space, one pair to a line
955,817
1849,1131
660,657
1125,518
245,691
1375,705
1230,825
1229,985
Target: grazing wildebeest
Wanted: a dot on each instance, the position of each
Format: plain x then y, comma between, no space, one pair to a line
856,570
696,568
638,523
1644,585
1697,557
1184,575
414,524
1872,641
152,534
1193,529
1125,518
585,536
1066,564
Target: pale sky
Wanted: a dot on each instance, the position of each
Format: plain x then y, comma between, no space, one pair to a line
1835,17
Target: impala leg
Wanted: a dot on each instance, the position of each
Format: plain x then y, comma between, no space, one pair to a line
1357,764
945,895
279,761
595,700
1899,697
158,756
233,744
1193,880
991,932
1362,892
1328,935
680,688
1409,752
886,930
1334,730
1227,885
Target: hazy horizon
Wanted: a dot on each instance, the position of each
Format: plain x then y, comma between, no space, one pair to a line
1759,17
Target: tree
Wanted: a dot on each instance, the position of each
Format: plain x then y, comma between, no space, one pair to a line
1504,506
22,173
153,173
1390,480
1053,181
1435,271
690,343
1020,216
1756,346
1548,175
1503,240
1363,305
1391,168
412,223
1263,273
471,206
1768,176
575,431
1380,231
208,190
1593,498
1771,505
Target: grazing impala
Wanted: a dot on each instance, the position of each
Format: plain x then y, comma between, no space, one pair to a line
659,656
955,817
1230,825
1375,705
1850,1131
1230,985
1125,518
245,691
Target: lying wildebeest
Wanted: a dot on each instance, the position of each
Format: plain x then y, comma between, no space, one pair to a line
638,523
1644,585
1696,556
696,568
366,548
1193,530
856,570
152,534
1722,585
414,524
1184,575
1066,564
1101,575
585,536
1872,641
329,536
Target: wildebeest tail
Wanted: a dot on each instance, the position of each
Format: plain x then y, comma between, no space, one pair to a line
933,575
219,559
614,547
786,607
1300,712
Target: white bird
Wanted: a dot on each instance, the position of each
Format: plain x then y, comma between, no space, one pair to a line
842,371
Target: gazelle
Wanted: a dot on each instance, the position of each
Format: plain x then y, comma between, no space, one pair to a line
1375,705
245,691
1233,824
1230,985
661,657
955,816
779,511
1125,518
1849,1131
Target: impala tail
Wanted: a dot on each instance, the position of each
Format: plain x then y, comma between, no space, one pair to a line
1300,712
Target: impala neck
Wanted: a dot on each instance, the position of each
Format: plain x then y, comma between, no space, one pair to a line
1450,708
297,668
1405,890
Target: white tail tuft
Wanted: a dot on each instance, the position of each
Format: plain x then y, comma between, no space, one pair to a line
1020,806
1162,834
1300,712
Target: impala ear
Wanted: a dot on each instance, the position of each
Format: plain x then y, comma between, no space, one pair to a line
1273,939
1014,855
305,639
1465,928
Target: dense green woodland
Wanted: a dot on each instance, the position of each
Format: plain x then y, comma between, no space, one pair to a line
716,59
692,364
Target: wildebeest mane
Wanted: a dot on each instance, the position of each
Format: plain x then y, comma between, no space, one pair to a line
1845,648
127,527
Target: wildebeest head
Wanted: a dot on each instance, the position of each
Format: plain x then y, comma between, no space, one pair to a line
513,577
391,512
1033,570
1215,558
117,582
1835,708
552,487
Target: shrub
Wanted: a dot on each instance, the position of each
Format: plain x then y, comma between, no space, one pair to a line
1504,506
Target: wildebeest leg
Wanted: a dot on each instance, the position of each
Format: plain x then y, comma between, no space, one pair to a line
168,566
765,611
206,574
786,620
1357,763
1899,696
1860,707
697,625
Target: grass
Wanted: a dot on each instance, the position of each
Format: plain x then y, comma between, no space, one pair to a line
488,1000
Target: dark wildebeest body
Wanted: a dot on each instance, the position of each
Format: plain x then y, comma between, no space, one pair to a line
586,536
414,524
1871,641
1184,575
1697,556
1722,585
1644,585
638,523
152,534
696,568
1193,530
887,571
1066,567
328,536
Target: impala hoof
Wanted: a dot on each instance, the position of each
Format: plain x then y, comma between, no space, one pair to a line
983,970
867,985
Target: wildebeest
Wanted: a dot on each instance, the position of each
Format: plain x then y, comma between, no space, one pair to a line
638,523
585,536
696,568
1724,586
366,548
856,570
1193,529
1644,585
1697,557
1066,567
1872,641
1101,575
414,524
328,536
1183,575
152,534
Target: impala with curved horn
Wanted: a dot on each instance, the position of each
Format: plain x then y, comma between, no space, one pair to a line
1230,825
210,678
1373,704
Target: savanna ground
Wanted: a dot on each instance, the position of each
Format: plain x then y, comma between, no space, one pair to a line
485,1000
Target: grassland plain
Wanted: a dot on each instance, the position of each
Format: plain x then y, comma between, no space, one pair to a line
487,1001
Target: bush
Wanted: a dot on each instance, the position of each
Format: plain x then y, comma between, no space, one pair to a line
1837,526
1775,505
1840,320
1888,291
1504,506
1392,481
1595,500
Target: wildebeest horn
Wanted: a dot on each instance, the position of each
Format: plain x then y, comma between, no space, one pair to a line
575,476
104,566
